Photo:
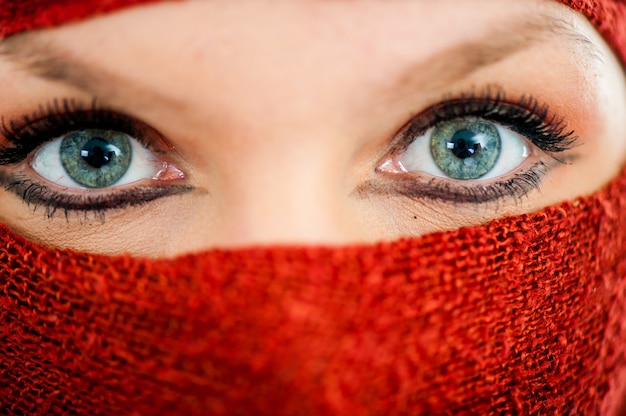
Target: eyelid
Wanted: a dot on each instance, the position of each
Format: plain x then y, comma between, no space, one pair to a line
37,195
516,187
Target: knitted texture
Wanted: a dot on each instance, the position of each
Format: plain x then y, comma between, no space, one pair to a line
524,315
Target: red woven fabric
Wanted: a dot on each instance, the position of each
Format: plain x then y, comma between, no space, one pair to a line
525,315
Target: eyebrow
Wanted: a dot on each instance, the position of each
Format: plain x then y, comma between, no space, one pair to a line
461,61
32,53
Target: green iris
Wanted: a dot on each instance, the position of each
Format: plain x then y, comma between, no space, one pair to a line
96,158
466,149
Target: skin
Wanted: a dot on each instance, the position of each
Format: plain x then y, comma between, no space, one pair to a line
280,114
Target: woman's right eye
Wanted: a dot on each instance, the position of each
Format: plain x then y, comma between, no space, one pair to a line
86,160
95,159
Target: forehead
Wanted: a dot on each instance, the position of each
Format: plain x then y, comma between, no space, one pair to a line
302,32
17,16
307,54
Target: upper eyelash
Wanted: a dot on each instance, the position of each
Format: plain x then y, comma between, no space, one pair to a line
527,117
60,117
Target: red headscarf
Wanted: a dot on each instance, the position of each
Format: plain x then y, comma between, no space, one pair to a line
524,315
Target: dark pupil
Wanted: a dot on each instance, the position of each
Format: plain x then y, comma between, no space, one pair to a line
98,153
464,144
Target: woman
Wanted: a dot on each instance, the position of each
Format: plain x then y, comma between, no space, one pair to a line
318,207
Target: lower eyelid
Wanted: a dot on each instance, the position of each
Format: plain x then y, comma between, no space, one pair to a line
427,187
39,196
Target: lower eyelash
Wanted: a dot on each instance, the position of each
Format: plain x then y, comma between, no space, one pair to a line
516,188
37,195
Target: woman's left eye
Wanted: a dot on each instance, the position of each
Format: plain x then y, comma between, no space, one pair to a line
462,149
478,148
95,159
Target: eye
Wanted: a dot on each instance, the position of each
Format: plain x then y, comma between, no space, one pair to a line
477,148
463,149
95,159
67,157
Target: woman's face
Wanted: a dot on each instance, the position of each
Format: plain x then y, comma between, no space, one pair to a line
258,122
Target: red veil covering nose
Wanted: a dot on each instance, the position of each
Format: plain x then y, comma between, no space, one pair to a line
524,315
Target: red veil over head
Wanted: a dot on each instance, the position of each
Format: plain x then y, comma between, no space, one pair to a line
524,315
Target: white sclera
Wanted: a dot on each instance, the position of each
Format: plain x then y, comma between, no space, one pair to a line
418,157
47,163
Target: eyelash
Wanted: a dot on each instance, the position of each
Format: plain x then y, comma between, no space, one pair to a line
37,195
527,117
56,119
60,117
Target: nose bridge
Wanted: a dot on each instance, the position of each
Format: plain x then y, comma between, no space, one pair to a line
275,181
300,195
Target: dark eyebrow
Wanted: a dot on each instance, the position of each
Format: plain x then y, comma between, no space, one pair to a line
33,53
